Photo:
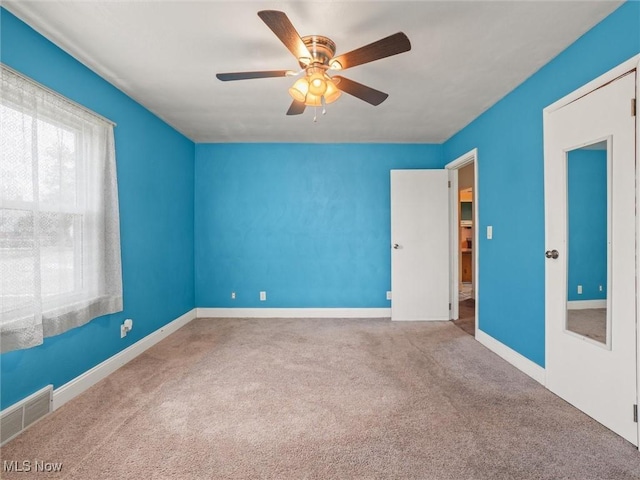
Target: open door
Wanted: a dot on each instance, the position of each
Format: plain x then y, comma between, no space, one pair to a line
420,245
590,274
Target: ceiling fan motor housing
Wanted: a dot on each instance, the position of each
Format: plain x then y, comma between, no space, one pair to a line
322,50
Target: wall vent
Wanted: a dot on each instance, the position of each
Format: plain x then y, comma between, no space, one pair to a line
19,416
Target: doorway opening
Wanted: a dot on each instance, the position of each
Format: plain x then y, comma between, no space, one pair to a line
466,297
463,207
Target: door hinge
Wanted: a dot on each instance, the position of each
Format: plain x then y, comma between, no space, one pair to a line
634,105
449,306
449,183
635,413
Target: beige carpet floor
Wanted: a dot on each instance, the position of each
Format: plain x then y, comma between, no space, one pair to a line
321,399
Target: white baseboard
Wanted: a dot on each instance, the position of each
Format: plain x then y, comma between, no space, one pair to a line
584,304
294,313
522,363
75,387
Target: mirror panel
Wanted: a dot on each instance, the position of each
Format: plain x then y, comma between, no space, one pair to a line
587,242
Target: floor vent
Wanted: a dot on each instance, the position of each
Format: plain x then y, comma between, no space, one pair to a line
16,418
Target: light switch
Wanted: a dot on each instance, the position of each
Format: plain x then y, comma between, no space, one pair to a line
489,232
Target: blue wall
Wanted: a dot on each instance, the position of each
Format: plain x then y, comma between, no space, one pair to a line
587,220
510,175
155,177
308,224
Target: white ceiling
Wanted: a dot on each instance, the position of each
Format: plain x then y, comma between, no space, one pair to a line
465,56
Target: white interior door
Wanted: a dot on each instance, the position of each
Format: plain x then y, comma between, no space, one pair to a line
420,245
590,270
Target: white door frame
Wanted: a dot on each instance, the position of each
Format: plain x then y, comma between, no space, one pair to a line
601,81
454,222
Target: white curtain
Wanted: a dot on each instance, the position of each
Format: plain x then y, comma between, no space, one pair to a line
59,226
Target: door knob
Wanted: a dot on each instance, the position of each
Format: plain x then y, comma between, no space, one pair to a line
552,254
396,246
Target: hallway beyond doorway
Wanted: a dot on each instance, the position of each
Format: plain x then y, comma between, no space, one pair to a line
466,316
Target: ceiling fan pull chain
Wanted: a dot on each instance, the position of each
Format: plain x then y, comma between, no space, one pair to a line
324,105
315,114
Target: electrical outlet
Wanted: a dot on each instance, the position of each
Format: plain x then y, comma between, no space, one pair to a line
579,289
263,296
600,287
233,295
489,232
126,327
388,295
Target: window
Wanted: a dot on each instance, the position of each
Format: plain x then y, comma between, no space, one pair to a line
59,227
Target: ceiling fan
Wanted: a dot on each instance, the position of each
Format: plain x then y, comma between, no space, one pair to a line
315,54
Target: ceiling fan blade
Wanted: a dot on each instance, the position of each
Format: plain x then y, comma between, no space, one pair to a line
386,47
280,24
296,108
225,77
368,94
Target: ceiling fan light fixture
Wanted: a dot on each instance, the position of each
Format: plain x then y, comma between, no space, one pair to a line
310,90
332,93
317,84
299,90
313,100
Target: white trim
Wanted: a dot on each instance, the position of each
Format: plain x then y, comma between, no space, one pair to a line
584,304
603,79
637,57
454,241
522,363
462,160
418,320
75,387
294,313
453,167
